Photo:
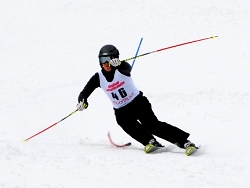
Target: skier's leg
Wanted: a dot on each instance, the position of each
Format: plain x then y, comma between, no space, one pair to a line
161,129
165,130
132,127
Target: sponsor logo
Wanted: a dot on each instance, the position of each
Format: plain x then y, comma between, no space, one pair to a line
124,100
115,85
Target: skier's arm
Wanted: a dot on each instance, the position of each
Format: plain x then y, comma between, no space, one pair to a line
91,85
124,68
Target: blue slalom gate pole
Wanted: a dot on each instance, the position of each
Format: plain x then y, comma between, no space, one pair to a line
137,52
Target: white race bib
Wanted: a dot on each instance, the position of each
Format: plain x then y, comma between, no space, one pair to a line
120,91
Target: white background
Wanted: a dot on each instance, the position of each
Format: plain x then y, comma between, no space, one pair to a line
48,51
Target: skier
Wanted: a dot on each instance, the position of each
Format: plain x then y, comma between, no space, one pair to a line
132,109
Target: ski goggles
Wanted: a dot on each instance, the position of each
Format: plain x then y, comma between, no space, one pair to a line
105,59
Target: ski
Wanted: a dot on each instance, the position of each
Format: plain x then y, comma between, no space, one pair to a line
191,149
117,145
151,148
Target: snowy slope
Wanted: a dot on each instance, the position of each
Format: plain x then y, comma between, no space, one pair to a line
48,51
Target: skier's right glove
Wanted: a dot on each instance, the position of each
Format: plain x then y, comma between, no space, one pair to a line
82,106
115,62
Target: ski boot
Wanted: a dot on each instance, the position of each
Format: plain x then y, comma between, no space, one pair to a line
152,146
190,148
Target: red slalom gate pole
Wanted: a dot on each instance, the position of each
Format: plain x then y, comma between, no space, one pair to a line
25,140
171,47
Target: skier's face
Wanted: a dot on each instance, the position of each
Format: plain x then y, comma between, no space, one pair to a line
106,67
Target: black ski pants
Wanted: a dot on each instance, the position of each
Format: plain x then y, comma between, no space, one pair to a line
139,121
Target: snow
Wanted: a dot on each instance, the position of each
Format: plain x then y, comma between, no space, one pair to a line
49,51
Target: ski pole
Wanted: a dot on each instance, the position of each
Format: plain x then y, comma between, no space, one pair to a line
50,126
137,52
170,47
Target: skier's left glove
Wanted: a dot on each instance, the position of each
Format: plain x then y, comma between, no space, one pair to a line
82,106
115,62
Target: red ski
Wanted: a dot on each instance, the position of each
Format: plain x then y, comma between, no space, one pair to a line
117,145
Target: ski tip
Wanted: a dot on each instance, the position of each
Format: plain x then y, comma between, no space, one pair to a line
24,140
128,144
190,150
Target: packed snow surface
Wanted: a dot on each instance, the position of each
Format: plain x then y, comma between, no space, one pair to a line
48,52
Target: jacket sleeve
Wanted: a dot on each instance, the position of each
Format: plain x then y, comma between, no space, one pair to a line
125,68
92,84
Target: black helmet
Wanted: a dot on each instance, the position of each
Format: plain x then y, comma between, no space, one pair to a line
109,50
